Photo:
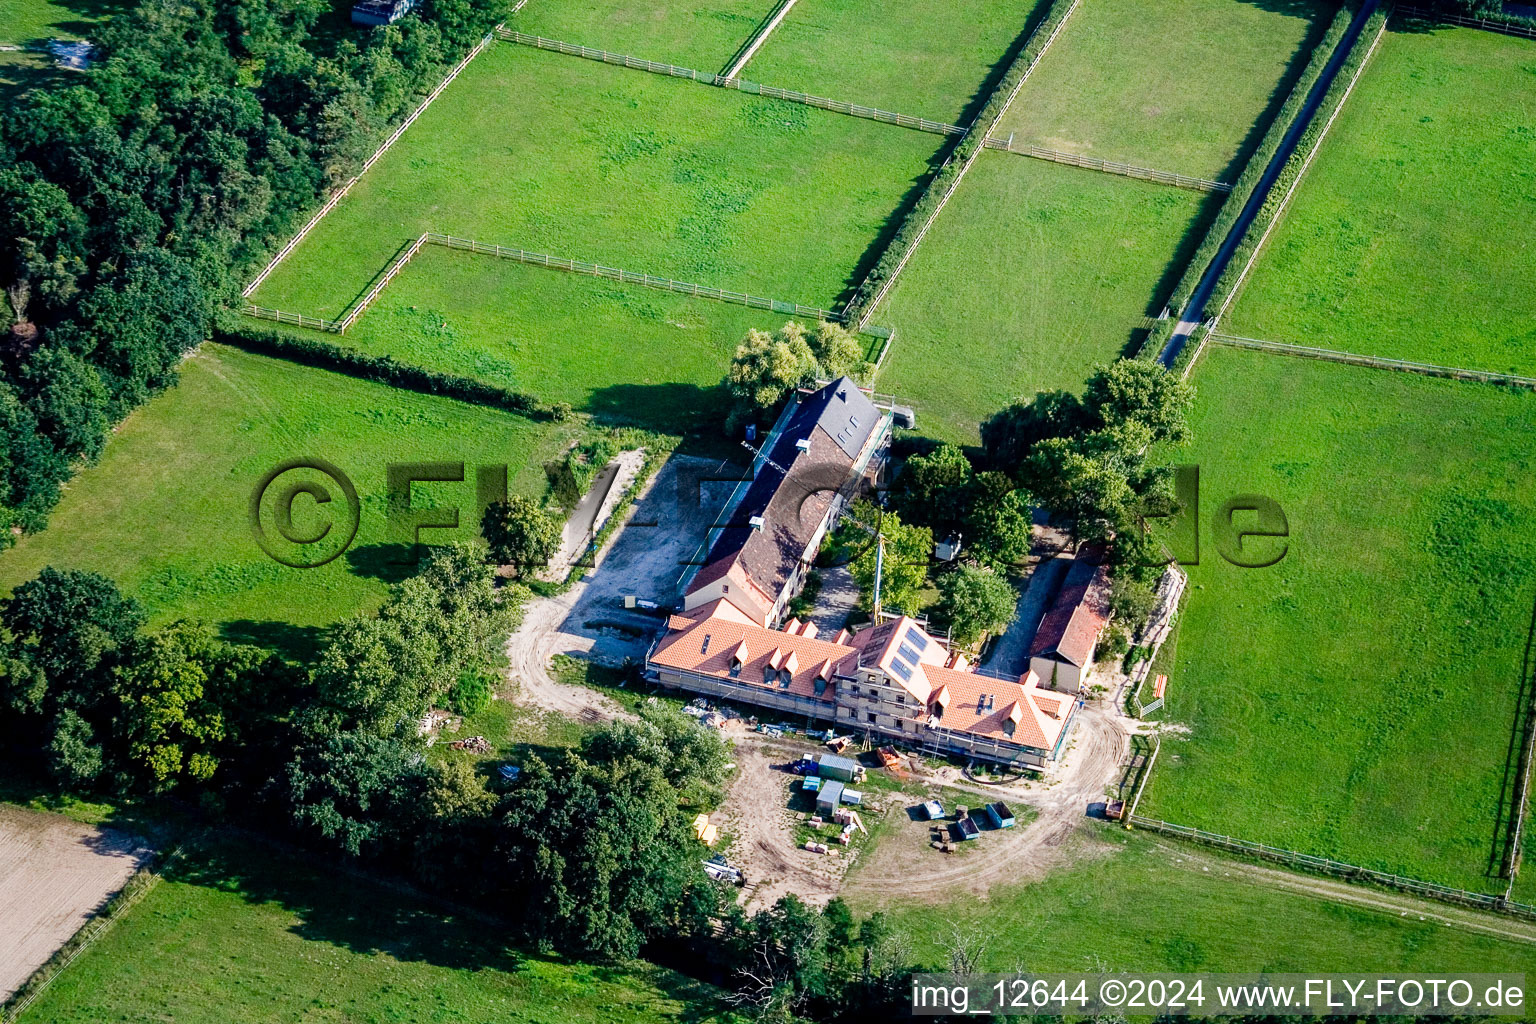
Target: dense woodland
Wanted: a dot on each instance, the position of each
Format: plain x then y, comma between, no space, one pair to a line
138,200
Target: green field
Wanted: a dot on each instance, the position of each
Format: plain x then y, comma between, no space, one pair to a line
622,352
1150,906
542,151
937,61
1356,699
1188,87
165,510
696,35
1411,236
242,934
1033,273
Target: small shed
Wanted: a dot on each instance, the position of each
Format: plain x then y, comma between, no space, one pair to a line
810,784
830,766
829,798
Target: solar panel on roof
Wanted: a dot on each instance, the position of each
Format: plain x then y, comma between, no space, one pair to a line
916,638
903,671
907,651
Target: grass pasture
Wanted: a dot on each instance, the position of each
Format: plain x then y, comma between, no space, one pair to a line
1187,87
621,352
1034,272
543,151
165,511
1411,236
241,934
1356,699
938,61
1137,904
702,34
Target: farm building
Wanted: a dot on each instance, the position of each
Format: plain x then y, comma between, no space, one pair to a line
1062,652
828,799
891,681
823,447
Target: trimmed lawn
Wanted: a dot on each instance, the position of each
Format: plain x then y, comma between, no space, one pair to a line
912,56
623,352
1412,235
1033,273
243,934
31,24
1356,699
703,36
1151,906
165,510
579,159
1188,87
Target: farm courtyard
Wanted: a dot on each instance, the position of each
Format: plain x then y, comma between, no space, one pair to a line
1360,699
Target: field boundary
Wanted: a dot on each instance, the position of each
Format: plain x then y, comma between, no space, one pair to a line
1377,362
871,304
1336,868
574,266
758,39
135,889
1109,166
1511,858
921,124
1506,28
394,136
1285,200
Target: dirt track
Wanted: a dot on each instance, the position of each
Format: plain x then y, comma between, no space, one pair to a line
54,874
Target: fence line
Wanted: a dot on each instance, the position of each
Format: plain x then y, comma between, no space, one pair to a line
921,124
339,194
1110,166
1508,28
1285,201
540,259
373,293
873,304
1379,362
1512,854
758,40
1146,776
1338,869
135,889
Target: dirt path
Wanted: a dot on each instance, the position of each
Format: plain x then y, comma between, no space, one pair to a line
54,875
757,813
1100,746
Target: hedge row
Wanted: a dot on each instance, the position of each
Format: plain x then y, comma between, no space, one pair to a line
941,183
382,369
1243,188
1292,169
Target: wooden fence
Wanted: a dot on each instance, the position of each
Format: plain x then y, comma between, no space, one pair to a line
1511,859
394,136
1110,166
283,316
1337,869
1508,28
921,124
906,257
1379,362
389,275
758,38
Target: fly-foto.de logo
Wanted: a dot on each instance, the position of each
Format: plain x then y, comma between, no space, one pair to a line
305,513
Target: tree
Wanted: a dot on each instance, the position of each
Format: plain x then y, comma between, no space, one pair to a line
43,246
783,958
935,490
1091,482
69,401
837,351
375,676
1009,435
471,693
69,626
1140,391
999,524
358,791
1131,601
520,534
975,601
74,756
767,367
904,567
169,719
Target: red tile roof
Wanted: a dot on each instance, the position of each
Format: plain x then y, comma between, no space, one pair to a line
1072,626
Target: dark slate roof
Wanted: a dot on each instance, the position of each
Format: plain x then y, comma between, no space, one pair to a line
837,421
1072,625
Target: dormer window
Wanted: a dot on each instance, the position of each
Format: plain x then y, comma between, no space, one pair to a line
735,667
1008,727
821,685
769,673
785,678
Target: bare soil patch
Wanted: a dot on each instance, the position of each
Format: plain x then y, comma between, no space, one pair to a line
54,875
